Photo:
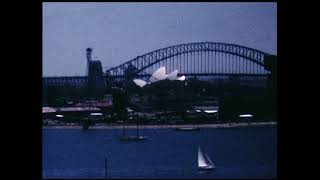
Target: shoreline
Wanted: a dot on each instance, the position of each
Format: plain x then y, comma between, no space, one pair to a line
226,125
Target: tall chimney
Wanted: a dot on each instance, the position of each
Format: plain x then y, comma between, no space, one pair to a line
89,51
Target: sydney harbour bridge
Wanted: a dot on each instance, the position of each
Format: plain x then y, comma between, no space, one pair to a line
200,59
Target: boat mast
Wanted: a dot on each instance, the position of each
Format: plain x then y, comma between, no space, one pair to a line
137,128
123,130
123,125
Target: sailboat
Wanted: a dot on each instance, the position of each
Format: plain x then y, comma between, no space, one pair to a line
204,161
125,137
132,138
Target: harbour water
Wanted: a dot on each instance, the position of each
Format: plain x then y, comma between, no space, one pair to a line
242,152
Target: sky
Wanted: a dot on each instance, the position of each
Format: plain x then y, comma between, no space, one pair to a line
119,32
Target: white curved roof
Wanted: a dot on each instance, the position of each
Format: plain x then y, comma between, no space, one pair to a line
159,74
140,82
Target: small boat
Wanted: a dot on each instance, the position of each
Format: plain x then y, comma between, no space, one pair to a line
133,138
125,137
204,161
188,129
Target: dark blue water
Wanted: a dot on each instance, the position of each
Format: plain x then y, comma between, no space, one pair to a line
246,152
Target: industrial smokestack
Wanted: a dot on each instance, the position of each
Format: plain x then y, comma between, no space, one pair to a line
89,51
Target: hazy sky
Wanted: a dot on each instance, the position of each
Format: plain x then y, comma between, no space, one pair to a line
119,32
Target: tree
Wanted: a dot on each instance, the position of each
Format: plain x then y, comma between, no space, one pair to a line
229,107
120,103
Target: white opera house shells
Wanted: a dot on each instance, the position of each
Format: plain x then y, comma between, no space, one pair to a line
158,75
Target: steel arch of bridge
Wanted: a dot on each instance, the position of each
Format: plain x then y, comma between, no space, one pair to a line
144,61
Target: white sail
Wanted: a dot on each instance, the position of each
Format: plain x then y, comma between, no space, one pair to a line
172,75
159,74
140,82
209,160
201,159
